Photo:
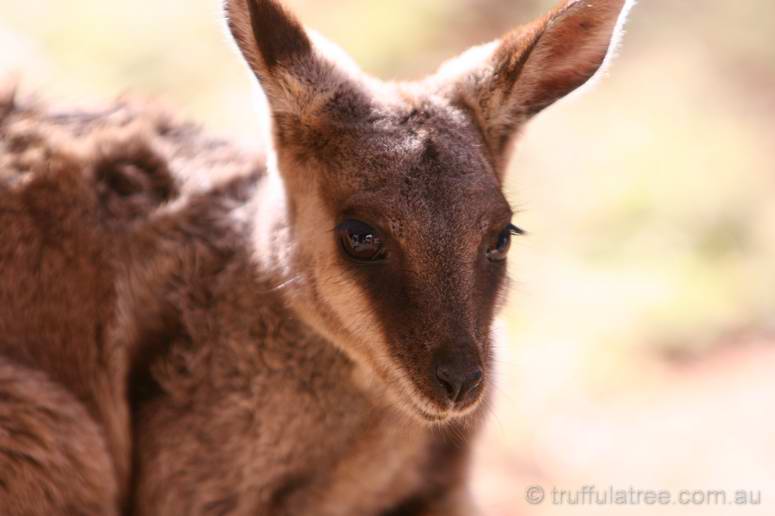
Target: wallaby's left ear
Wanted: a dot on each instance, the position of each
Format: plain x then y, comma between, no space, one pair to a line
511,79
296,71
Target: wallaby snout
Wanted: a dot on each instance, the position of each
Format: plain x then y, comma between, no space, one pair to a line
460,374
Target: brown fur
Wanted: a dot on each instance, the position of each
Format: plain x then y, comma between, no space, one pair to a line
181,332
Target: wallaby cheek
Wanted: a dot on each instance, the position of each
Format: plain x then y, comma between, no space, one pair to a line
338,304
351,306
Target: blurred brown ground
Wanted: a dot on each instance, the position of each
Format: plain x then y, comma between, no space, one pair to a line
639,343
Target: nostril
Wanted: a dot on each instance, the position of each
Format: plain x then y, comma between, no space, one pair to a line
458,384
472,380
475,379
448,381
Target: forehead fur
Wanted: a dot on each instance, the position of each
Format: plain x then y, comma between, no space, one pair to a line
417,159
409,141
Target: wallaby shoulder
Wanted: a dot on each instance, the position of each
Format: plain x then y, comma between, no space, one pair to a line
77,189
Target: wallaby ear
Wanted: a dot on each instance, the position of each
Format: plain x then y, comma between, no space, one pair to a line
297,75
506,82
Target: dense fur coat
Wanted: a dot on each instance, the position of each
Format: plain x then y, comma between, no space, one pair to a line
77,191
208,339
181,331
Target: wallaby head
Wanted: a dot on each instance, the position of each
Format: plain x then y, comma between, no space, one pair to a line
394,220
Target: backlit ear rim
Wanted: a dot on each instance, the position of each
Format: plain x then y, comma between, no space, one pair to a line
507,81
574,45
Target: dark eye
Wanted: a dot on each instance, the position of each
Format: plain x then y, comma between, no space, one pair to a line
360,241
500,248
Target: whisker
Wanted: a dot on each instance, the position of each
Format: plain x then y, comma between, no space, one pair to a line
283,285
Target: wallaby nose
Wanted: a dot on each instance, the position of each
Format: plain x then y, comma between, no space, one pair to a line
458,379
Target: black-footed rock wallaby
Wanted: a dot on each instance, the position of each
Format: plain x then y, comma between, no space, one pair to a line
186,329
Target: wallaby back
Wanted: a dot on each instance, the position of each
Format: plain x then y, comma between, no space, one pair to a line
73,188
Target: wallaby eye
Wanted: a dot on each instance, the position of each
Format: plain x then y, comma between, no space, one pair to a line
500,248
360,241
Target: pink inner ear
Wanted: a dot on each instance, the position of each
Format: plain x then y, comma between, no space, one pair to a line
506,82
571,49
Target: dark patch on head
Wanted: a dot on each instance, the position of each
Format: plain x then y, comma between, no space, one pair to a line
348,104
426,303
278,35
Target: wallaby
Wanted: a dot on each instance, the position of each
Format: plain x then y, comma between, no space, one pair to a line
186,329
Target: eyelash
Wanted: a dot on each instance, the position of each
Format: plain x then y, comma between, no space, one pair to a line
515,230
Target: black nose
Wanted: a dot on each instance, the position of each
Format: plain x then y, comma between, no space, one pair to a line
458,379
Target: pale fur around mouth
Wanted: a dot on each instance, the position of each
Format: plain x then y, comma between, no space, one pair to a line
409,399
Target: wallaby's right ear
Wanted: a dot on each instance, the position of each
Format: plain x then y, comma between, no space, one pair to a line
296,78
508,81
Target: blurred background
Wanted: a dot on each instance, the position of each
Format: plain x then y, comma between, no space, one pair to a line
639,346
